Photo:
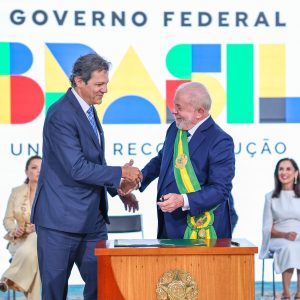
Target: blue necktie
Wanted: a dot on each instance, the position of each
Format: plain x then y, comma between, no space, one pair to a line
91,117
188,135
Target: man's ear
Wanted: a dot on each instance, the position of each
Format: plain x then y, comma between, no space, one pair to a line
78,81
201,113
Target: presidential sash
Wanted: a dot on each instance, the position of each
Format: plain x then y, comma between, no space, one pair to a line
200,226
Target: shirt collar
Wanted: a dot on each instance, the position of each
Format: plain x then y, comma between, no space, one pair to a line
81,102
193,129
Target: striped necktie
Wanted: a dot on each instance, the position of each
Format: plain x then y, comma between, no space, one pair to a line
188,135
91,117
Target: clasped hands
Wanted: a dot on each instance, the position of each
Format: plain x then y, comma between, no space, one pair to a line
131,178
27,228
291,235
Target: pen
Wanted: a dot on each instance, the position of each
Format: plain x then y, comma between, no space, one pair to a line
161,199
235,243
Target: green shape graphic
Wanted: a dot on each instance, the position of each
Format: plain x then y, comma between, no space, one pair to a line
4,59
179,61
52,98
240,84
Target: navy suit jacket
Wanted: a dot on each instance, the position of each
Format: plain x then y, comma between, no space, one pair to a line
74,177
212,156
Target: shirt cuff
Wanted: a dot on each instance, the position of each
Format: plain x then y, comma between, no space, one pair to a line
186,205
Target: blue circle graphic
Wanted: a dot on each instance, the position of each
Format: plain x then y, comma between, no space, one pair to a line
131,109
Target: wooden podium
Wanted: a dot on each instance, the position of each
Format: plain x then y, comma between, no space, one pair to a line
217,271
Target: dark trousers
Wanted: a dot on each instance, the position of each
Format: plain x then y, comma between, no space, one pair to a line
57,253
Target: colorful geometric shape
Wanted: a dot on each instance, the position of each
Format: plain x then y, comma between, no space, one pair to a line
67,54
206,58
179,61
51,98
272,110
131,110
132,79
27,99
171,86
272,71
216,91
5,99
293,109
4,58
240,83
20,58
56,80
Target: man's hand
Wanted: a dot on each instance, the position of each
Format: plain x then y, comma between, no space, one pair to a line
171,202
131,173
126,187
130,202
291,236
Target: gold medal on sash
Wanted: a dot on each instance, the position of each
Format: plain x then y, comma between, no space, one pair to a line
201,233
181,161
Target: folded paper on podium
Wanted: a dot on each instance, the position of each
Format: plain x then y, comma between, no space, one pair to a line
160,243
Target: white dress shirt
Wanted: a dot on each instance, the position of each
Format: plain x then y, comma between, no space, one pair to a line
186,205
85,107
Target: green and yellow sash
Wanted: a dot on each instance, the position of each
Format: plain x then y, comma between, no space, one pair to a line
187,182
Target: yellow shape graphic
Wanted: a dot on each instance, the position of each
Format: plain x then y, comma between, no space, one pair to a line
216,91
5,111
56,79
132,78
272,71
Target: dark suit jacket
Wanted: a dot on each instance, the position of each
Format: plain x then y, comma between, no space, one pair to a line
212,155
74,177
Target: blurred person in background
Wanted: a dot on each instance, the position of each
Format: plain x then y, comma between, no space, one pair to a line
23,272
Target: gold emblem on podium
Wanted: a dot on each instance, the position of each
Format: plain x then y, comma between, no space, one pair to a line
176,285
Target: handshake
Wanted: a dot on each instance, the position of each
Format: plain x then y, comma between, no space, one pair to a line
131,178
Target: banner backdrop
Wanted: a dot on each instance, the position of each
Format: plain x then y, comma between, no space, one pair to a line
245,52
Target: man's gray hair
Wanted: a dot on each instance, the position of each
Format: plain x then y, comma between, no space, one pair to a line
198,94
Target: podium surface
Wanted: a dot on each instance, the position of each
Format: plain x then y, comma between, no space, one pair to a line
172,269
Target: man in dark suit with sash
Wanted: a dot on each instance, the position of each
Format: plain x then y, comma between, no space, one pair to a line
195,169
70,206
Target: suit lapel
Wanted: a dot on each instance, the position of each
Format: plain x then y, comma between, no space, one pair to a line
100,129
83,120
194,144
167,159
199,136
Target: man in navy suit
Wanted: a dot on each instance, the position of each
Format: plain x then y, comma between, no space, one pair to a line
195,169
70,206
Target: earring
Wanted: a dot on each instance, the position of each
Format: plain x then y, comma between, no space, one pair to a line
295,180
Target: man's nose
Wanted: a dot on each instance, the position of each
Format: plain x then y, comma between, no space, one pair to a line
104,89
